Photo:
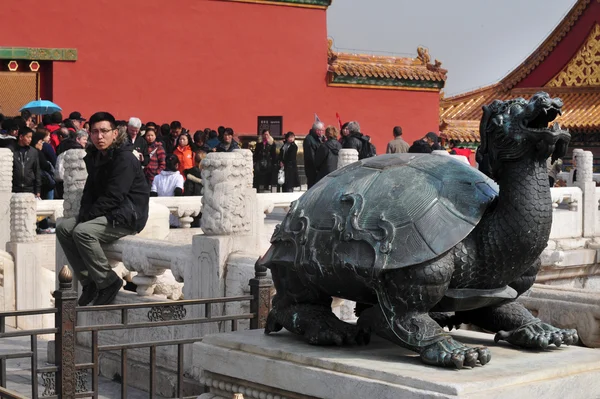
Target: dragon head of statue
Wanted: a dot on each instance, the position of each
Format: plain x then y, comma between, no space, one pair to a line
515,129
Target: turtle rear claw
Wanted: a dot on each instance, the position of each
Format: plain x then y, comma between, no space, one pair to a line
537,335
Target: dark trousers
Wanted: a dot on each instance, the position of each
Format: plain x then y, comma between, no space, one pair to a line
81,243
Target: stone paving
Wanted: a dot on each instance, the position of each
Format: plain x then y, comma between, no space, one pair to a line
18,372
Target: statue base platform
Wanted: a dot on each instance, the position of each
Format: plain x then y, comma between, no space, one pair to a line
282,365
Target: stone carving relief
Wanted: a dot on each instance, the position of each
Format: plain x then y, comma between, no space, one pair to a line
74,181
224,209
6,167
248,165
22,217
346,157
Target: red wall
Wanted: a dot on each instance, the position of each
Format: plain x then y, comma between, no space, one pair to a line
206,63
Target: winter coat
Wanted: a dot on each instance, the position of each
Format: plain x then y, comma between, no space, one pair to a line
166,182
193,183
115,188
265,164
47,174
353,141
234,146
186,158
141,146
397,146
156,161
49,153
288,158
326,160
170,144
309,146
68,144
27,174
7,141
212,143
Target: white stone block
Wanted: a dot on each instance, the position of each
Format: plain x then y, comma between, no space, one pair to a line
28,259
4,218
282,362
567,244
157,227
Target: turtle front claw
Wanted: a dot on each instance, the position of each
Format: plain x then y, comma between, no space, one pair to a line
538,335
450,353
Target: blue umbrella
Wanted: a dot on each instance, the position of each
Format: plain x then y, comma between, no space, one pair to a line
41,107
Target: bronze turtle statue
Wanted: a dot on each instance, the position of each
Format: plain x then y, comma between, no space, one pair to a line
424,241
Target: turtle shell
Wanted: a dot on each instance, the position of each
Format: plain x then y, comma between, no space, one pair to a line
410,208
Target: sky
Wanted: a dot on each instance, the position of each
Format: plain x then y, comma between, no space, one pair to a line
478,41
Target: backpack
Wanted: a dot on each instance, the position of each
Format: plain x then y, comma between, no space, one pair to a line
367,150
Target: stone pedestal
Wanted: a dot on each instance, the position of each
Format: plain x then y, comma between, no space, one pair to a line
26,253
27,273
282,365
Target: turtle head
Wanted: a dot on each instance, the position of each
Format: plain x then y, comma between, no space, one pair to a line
516,129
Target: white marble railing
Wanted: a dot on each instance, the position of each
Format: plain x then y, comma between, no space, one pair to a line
184,208
597,202
565,176
567,212
150,259
271,201
50,208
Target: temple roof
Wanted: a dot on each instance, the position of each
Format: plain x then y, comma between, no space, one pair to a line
386,72
574,76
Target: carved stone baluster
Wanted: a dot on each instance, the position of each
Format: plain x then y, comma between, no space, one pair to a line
74,181
23,217
225,209
585,181
248,168
74,178
6,168
346,157
145,284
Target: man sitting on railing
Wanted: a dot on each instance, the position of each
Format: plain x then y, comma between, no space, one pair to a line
114,204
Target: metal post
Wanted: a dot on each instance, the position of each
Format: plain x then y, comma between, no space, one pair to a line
65,321
260,289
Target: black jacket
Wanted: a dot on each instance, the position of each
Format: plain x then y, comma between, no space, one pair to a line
115,188
353,141
326,159
193,181
141,146
288,158
7,141
309,146
265,160
27,175
68,144
234,146
170,144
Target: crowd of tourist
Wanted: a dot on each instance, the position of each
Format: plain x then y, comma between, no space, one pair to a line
39,150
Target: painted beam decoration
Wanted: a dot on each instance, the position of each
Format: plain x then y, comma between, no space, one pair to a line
378,72
322,4
38,54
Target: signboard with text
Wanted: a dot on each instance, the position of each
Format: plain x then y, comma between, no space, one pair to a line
274,124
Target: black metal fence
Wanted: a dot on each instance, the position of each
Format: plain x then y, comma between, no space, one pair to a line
68,379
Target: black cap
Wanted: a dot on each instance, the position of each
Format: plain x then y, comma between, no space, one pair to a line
76,116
